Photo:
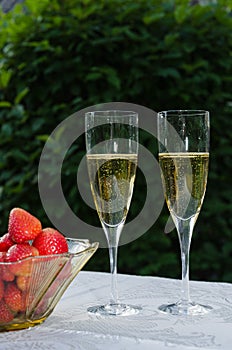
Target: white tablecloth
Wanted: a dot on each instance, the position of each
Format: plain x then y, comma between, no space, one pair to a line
70,327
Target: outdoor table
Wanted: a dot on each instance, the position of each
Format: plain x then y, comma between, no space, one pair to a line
70,327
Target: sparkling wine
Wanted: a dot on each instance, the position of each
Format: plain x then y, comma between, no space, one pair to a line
112,179
184,177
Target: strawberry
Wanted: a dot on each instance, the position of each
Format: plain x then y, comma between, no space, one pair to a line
16,254
6,315
5,273
50,241
5,242
13,297
23,282
20,251
1,289
2,256
23,226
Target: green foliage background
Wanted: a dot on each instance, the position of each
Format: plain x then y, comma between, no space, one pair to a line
59,56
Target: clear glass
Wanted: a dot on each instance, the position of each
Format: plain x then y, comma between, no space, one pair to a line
40,282
184,156
112,153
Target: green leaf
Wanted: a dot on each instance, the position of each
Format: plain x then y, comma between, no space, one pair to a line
169,72
181,13
153,17
42,137
5,104
21,95
7,130
5,76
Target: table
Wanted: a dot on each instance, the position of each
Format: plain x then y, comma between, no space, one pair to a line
70,327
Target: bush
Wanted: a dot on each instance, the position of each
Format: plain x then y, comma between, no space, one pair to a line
58,57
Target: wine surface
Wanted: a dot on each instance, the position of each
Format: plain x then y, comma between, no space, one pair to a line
184,177
112,179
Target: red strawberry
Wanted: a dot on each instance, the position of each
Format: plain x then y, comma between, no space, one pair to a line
1,289
23,282
5,242
50,241
13,297
5,273
2,256
20,252
23,226
6,315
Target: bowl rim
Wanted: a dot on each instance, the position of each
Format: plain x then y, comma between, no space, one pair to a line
90,246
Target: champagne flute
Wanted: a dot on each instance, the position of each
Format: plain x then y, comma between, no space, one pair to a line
184,156
112,153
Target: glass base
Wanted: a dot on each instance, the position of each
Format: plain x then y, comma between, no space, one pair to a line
114,310
181,308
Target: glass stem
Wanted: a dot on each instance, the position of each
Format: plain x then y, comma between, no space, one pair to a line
113,235
185,230
113,252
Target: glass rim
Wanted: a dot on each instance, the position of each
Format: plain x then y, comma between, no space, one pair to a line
183,112
86,245
103,113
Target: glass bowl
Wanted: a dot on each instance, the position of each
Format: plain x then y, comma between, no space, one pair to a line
31,288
